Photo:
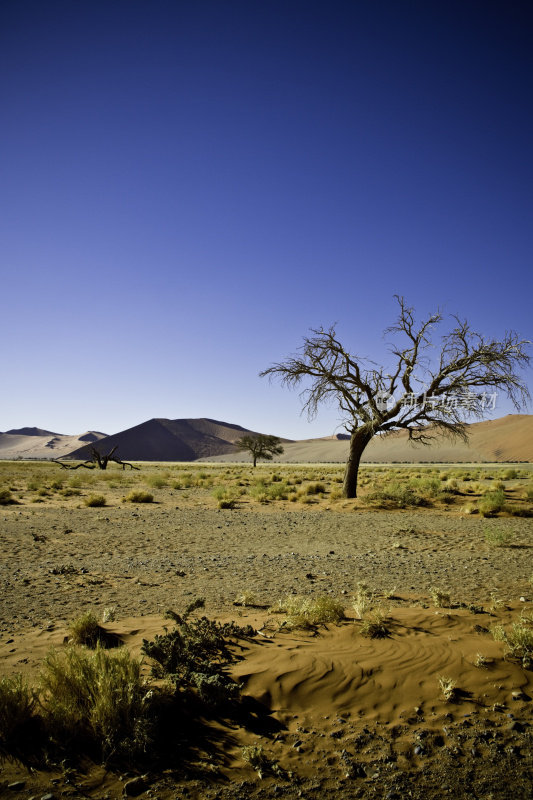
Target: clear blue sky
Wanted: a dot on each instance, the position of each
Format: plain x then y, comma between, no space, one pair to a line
186,188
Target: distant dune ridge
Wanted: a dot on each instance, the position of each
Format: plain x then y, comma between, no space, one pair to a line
509,438
38,443
172,440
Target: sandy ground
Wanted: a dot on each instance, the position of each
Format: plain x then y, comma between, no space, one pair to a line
348,716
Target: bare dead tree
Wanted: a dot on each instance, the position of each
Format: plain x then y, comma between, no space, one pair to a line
97,460
423,395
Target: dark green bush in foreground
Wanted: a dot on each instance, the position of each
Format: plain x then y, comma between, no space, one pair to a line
195,655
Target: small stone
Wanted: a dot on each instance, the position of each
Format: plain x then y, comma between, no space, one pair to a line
523,600
517,695
48,796
16,785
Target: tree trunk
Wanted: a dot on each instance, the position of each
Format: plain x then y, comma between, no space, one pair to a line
359,439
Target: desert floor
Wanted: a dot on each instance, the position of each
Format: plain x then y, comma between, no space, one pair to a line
340,713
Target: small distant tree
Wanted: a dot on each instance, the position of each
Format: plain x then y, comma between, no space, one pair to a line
432,386
260,446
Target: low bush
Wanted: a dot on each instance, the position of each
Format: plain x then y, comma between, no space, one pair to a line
440,598
315,488
519,511
451,486
518,640
70,492
395,495
491,503
6,498
138,496
227,497
195,655
95,501
374,625
426,486
156,481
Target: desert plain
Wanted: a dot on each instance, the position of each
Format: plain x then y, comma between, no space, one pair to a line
422,687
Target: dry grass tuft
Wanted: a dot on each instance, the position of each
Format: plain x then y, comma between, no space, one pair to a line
308,612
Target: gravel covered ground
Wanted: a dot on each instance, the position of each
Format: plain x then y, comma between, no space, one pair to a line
57,561
60,558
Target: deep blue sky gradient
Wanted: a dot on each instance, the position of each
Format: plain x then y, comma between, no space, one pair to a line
188,187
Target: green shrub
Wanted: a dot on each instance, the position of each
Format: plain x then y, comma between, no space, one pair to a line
95,501
138,496
491,503
509,474
195,655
